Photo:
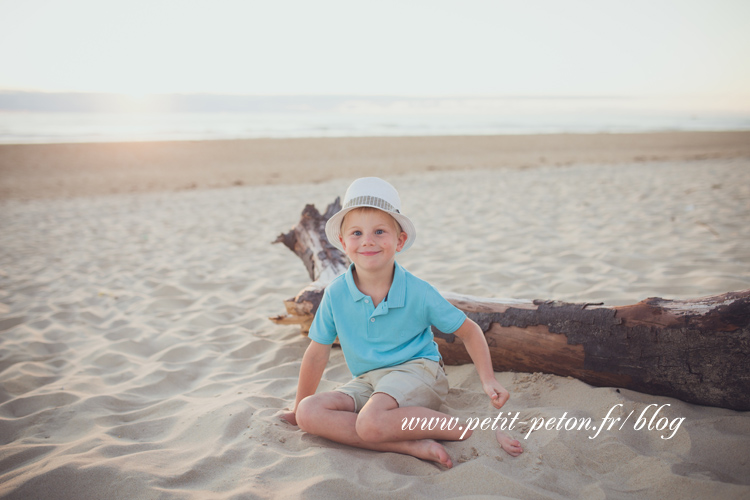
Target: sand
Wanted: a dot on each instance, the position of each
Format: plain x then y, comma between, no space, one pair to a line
137,360
61,170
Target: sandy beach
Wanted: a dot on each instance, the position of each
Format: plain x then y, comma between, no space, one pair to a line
136,282
60,170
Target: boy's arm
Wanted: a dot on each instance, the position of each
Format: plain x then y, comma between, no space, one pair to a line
476,345
311,370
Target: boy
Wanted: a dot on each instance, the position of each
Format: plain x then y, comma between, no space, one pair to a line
382,315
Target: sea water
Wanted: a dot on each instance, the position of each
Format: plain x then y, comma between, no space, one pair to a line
362,116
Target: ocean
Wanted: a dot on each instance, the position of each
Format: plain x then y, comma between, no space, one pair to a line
241,117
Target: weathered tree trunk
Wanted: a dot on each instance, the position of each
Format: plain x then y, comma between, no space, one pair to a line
323,262
695,350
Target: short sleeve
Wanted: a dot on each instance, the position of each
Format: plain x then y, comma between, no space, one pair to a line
442,314
323,328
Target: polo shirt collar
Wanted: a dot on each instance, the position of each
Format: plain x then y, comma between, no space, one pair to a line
396,294
353,290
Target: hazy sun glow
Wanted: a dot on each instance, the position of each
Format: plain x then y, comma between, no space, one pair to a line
693,49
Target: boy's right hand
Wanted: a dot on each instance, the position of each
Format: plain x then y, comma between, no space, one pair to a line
289,418
498,394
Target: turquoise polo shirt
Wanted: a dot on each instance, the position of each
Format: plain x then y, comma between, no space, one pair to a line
396,331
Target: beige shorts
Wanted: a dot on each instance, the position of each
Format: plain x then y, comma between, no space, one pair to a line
419,382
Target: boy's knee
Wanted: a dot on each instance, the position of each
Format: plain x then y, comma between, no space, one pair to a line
306,413
367,427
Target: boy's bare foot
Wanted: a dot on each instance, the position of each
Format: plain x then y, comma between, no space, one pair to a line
427,449
511,446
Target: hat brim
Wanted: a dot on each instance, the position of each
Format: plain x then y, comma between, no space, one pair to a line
333,227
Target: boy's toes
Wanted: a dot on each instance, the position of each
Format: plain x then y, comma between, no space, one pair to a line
437,453
511,446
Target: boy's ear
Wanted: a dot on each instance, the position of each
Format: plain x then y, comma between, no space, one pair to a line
401,240
341,240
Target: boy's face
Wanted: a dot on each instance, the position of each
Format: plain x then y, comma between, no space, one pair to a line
371,239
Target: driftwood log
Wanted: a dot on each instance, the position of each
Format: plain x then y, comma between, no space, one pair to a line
695,350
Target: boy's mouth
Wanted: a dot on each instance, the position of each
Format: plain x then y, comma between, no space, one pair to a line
369,254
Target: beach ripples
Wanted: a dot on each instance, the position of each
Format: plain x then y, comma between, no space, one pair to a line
137,360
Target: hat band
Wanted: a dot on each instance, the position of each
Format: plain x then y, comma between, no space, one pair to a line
371,201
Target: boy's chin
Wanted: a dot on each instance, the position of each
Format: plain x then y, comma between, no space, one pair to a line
373,263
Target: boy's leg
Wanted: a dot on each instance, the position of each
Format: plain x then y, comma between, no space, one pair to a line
382,420
331,415
403,398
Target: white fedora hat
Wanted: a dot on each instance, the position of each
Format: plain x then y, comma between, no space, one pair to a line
370,192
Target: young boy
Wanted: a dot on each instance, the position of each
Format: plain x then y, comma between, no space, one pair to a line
382,316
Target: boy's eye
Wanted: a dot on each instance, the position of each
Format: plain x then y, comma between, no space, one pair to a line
379,231
357,233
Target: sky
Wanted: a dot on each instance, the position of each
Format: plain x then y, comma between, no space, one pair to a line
693,49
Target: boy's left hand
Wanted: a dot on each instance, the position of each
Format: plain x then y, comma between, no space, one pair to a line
497,393
289,418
